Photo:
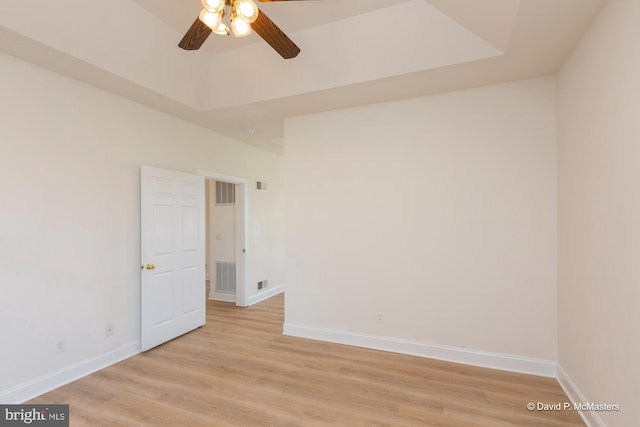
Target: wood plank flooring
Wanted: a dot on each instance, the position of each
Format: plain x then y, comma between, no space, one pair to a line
238,370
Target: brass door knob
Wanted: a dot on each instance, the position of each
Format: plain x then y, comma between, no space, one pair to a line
149,266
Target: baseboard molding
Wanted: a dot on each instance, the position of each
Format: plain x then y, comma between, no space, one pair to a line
32,389
590,418
504,362
263,295
214,296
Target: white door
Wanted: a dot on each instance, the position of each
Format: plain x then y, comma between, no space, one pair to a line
173,254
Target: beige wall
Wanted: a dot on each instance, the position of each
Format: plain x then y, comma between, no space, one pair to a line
599,213
69,219
439,212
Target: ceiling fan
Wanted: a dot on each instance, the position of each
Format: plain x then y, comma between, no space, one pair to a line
242,16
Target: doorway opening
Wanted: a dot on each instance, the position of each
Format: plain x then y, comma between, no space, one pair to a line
226,221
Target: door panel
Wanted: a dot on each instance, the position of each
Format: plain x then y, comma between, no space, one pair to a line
190,229
160,308
191,294
162,230
173,255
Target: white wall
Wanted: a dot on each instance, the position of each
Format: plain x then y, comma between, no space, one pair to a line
221,237
207,224
69,218
439,212
223,221
599,214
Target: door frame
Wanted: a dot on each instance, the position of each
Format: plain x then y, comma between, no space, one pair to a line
242,223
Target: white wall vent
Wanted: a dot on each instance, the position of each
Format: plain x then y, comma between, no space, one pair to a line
225,193
226,277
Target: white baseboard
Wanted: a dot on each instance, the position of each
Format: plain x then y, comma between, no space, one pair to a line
590,418
263,295
215,296
504,362
32,389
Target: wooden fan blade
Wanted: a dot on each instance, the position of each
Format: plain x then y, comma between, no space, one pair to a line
195,36
276,38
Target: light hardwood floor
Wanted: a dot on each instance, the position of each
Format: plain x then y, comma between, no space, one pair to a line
239,370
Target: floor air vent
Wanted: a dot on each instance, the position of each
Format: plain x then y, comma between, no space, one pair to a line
226,277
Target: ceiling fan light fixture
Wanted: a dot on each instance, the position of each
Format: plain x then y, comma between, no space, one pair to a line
239,26
246,9
213,6
240,18
211,19
221,30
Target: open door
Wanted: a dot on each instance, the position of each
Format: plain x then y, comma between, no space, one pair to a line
172,254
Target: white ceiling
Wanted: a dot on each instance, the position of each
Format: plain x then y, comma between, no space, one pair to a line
353,52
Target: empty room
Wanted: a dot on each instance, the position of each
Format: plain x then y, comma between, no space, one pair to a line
320,213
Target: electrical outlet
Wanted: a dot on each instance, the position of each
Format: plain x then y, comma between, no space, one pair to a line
60,346
108,330
380,317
